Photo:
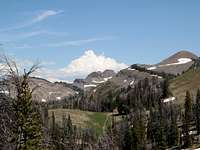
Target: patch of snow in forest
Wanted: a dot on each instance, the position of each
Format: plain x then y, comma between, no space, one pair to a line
132,82
58,98
156,76
44,100
4,92
169,99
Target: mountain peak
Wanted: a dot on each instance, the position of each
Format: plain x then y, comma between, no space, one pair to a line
181,54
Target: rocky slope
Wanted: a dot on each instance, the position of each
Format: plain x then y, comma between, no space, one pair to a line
175,64
43,90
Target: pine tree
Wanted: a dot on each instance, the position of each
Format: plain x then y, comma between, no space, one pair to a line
173,131
161,139
198,111
187,120
166,91
161,136
135,138
56,135
28,131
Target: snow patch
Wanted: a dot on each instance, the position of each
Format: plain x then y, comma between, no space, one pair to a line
44,100
98,82
131,69
90,85
156,76
4,92
169,99
108,78
58,98
102,81
180,61
152,68
132,82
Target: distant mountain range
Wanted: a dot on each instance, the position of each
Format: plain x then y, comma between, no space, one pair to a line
100,83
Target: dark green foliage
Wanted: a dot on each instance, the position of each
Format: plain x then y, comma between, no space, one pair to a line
173,132
56,135
28,125
187,120
166,91
135,138
161,134
198,111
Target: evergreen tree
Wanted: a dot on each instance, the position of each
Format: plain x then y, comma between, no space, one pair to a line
161,137
56,135
68,133
198,111
135,138
187,120
166,91
28,130
173,131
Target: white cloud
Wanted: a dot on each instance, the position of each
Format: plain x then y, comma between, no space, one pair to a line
44,15
80,67
90,62
79,42
39,18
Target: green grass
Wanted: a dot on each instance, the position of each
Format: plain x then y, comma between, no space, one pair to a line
190,81
99,121
84,119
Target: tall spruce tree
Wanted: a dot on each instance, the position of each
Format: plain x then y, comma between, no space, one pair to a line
28,130
166,91
198,111
173,135
161,140
56,135
187,120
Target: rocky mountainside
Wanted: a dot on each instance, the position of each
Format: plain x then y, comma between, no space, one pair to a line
43,90
98,87
99,84
175,64
94,79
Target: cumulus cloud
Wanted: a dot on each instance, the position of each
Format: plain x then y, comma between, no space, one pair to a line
90,62
80,67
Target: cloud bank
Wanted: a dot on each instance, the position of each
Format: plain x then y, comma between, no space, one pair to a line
90,62
77,68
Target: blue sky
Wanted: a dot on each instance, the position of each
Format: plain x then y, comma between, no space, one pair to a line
57,32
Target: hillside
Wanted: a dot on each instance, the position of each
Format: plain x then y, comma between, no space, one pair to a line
44,90
175,64
84,119
190,80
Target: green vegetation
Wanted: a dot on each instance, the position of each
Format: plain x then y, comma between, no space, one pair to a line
188,81
84,119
